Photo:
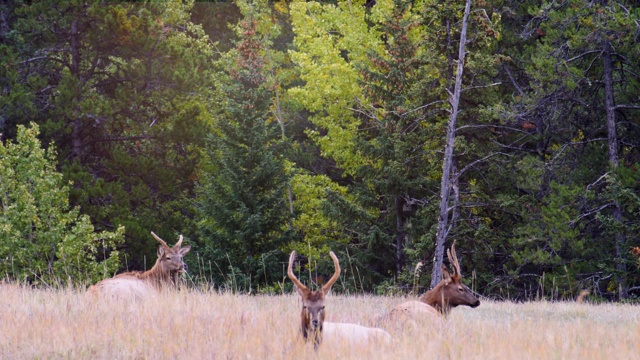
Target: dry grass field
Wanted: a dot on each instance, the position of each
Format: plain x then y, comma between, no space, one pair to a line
57,324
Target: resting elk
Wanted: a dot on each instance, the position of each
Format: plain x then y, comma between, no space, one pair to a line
313,327
449,293
135,284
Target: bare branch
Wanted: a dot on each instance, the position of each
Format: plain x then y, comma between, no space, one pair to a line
481,86
621,106
95,118
589,213
473,163
559,152
122,138
513,81
34,59
486,16
89,74
422,107
597,181
45,89
370,115
583,55
509,128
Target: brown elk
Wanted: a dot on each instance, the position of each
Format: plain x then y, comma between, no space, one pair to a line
449,293
582,295
164,274
312,316
313,313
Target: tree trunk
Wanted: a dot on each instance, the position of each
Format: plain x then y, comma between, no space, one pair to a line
613,163
76,133
4,29
4,20
278,113
446,183
400,233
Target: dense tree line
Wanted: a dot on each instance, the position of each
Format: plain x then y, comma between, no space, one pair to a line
256,128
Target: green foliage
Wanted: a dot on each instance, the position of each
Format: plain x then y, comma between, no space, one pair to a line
551,235
319,126
43,239
323,33
381,121
568,229
124,97
243,214
318,229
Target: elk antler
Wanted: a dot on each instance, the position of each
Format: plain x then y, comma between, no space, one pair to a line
453,259
179,243
164,244
292,276
336,275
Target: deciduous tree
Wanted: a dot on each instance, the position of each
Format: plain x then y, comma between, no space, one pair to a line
44,240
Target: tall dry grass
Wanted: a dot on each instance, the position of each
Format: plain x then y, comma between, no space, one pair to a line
65,324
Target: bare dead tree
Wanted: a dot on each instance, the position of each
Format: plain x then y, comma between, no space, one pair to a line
448,161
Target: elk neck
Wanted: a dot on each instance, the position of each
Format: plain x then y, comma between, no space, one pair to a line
436,298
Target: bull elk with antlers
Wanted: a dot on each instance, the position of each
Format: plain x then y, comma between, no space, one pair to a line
164,274
313,327
449,293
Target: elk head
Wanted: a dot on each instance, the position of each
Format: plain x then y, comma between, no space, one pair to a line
312,316
170,258
450,291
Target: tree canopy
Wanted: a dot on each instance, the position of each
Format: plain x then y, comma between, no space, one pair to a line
44,240
382,130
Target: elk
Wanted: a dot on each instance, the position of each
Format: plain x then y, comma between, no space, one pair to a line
312,316
163,275
582,295
449,293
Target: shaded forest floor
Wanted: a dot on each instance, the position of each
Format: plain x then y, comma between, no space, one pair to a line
65,324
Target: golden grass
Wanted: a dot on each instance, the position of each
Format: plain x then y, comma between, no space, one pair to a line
58,324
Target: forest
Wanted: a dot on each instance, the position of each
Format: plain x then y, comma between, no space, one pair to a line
383,130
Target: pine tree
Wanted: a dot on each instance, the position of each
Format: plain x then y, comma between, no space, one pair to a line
121,89
396,128
580,83
243,212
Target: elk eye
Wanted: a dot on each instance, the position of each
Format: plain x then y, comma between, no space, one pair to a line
322,308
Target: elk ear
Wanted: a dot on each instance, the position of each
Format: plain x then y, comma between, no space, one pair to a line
446,276
302,291
185,250
160,251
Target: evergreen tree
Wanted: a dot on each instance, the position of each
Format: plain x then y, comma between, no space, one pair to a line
243,212
385,135
121,89
396,134
578,84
